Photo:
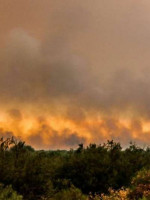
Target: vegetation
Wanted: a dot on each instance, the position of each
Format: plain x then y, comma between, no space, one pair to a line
96,172
7,193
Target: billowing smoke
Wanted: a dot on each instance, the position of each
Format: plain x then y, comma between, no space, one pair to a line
81,62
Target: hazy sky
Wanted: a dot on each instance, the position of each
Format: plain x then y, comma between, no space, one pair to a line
75,71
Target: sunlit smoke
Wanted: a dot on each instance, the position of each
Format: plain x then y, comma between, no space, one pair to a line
79,73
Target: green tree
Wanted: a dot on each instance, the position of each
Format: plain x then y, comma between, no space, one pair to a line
7,193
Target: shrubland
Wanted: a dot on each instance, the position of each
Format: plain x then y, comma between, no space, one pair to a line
96,172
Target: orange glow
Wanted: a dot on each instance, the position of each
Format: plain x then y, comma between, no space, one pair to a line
56,131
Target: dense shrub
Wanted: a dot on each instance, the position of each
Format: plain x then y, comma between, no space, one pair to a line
121,194
93,169
71,193
140,185
7,193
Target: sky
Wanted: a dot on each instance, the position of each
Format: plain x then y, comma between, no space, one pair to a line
75,72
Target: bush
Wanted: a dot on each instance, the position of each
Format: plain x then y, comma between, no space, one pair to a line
7,193
72,193
121,194
140,188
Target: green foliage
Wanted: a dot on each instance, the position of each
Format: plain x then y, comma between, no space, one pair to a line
144,198
71,193
7,193
140,185
51,174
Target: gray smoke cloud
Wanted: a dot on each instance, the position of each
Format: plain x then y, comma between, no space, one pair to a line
29,74
80,59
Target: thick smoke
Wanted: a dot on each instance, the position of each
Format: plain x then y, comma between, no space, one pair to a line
82,61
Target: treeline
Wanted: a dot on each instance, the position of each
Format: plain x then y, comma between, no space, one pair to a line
85,173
